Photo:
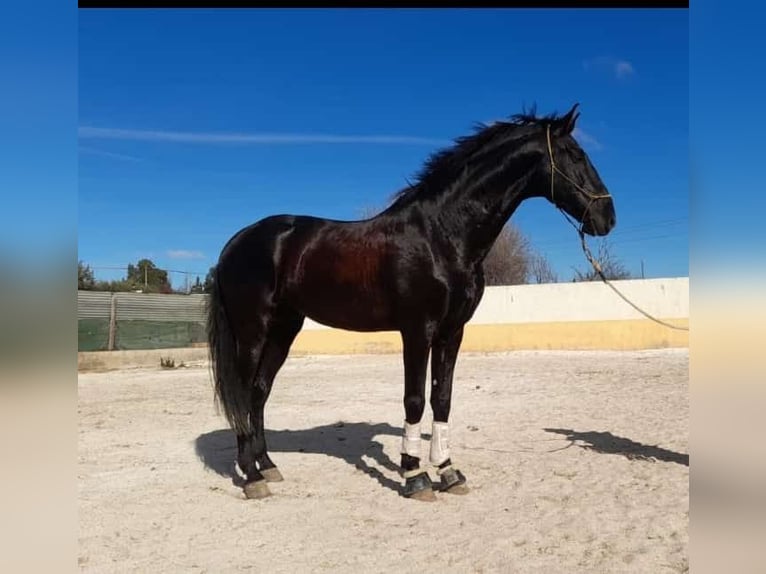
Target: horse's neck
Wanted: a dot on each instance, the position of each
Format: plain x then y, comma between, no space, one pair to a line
476,217
469,213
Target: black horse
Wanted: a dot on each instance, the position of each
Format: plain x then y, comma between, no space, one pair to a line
415,268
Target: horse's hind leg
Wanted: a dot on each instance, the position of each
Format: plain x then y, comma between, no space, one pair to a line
284,328
249,353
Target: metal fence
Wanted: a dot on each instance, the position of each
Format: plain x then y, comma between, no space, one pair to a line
127,321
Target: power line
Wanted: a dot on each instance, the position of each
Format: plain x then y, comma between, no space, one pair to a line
628,234
624,241
125,267
651,238
633,228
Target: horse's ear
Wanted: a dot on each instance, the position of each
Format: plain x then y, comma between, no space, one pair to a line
566,124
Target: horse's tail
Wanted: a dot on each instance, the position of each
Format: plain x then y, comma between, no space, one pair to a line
231,392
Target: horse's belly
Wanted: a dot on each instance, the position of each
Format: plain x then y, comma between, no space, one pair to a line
343,281
350,309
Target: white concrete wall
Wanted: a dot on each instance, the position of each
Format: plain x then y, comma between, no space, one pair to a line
567,302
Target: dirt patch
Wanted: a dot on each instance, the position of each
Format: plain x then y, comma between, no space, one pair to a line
577,461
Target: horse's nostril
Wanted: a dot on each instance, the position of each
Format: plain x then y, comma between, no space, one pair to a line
612,221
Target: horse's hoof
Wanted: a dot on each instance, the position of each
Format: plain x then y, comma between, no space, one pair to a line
423,495
419,487
453,481
458,489
272,474
257,489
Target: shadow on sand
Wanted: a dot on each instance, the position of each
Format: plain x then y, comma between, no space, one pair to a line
351,442
607,443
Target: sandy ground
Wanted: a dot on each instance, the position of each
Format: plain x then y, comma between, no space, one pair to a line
577,462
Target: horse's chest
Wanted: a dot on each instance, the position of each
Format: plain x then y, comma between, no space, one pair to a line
463,296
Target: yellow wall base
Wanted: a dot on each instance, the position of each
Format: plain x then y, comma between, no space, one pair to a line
587,335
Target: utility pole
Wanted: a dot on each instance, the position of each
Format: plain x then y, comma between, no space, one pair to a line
642,269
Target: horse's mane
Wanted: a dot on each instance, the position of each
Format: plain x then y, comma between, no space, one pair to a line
443,165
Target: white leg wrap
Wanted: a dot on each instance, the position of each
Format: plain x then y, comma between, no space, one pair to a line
411,439
439,443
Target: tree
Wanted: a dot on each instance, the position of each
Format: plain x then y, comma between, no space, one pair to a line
197,287
145,275
509,260
611,267
85,278
540,270
115,286
209,278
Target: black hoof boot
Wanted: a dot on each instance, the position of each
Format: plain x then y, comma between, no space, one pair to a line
419,486
452,480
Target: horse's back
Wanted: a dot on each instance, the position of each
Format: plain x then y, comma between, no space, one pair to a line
364,275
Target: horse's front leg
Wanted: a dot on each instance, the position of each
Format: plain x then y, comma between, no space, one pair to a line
417,483
443,357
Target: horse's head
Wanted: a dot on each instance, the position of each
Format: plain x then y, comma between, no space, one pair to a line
571,182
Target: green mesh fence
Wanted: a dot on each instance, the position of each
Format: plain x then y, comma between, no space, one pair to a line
142,321
137,334
92,334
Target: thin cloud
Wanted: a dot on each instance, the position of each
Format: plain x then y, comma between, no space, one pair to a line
185,254
586,139
109,154
623,68
620,68
89,132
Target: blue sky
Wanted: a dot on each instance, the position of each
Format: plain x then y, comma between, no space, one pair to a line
196,123
38,153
